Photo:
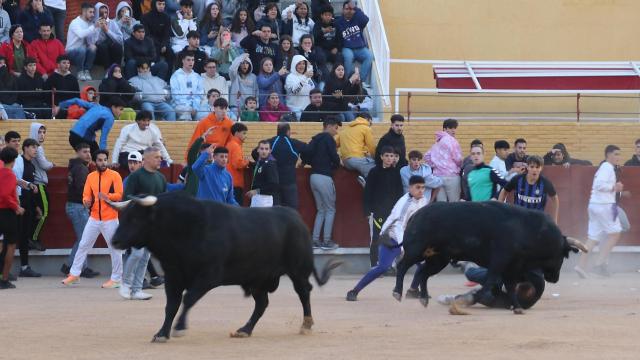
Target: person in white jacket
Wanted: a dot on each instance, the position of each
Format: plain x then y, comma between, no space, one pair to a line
299,84
604,222
109,40
186,89
137,137
392,232
81,37
184,22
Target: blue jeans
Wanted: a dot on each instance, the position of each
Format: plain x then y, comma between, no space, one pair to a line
477,275
58,22
363,55
135,268
159,69
78,215
82,58
14,111
386,255
161,110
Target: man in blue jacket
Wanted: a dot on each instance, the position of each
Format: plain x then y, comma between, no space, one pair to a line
96,118
215,182
354,47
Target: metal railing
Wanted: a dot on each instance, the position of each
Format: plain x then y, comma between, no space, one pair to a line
379,45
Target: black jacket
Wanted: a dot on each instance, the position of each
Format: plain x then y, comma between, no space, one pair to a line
329,40
395,141
62,83
286,152
634,161
115,85
382,190
258,50
78,171
313,113
200,57
8,86
140,50
266,178
322,154
335,85
157,26
34,84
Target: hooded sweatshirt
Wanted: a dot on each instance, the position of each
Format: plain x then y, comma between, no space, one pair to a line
157,26
237,163
149,88
5,24
267,84
40,162
298,86
219,136
356,139
67,82
125,29
76,111
186,89
246,85
217,82
215,182
113,28
352,31
96,118
269,114
382,190
144,49
112,84
445,156
395,141
322,154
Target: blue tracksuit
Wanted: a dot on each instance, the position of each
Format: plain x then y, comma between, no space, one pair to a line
215,182
96,118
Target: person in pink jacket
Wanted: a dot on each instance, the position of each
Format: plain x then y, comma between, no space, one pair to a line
445,158
273,109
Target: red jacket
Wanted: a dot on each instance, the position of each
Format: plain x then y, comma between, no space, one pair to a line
8,195
7,51
47,52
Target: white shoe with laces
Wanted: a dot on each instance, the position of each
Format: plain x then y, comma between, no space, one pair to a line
125,291
139,295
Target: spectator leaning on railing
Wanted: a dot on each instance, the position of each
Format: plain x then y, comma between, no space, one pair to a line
317,109
63,84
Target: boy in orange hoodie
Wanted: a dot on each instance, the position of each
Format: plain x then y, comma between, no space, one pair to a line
237,161
218,119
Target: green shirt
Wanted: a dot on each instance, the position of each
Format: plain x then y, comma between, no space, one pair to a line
483,181
247,115
18,59
144,182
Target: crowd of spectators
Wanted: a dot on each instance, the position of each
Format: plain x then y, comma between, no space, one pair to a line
165,57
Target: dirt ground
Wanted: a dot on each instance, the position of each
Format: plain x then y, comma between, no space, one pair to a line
576,319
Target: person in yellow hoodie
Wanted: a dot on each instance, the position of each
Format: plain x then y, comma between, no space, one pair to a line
356,145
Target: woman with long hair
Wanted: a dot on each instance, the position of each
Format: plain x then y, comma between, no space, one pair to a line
210,26
270,80
273,109
286,52
341,90
298,23
241,26
224,52
243,82
16,50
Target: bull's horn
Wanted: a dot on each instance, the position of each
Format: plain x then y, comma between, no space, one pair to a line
146,201
117,205
577,243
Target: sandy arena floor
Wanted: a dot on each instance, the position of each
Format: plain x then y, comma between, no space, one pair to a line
576,319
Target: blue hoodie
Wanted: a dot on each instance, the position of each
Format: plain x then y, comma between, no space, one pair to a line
96,118
351,30
215,182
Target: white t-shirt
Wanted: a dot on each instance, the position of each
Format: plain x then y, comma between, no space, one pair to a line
603,182
58,4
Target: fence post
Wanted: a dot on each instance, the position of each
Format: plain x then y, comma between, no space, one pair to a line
578,107
53,103
409,106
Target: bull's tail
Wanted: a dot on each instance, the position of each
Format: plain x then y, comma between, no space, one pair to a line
325,273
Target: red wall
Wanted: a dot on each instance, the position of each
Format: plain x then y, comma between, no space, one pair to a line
351,228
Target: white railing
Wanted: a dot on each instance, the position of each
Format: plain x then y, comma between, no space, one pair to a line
379,45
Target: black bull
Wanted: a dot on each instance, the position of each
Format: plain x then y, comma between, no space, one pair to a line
505,239
203,244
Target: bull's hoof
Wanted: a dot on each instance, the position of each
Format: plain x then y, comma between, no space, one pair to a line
397,295
518,311
305,331
239,334
179,332
424,301
307,322
159,339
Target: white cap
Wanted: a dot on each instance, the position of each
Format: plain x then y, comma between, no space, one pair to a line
135,156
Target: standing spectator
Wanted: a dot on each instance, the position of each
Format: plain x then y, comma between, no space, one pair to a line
635,159
354,46
237,161
10,209
109,39
286,151
63,82
269,80
339,91
152,92
417,166
285,53
210,26
322,155
560,156
483,180
230,8
8,96
299,84
215,182
16,50
98,117
445,158
259,45
383,188
186,89
193,46
5,24
138,137
356,145
81,41
467,166
518,158
316,58
114,85
58,10
395,139
316,110
271,19
75,210
34,15
604,222
141,48
157,25
501,148
101,184
224,51
243,82
265,183
217,120
41,166
31,96
249,110
46,50
182,24
273,109
241,26
211,79
299,23
326,37
125,20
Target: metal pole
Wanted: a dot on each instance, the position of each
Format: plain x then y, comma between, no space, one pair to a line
408,106
578,107
53,104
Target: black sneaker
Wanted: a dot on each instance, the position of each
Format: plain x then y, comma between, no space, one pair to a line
328,245
89,273
28,272
146,285
601,270
317,244
36,245
156,281
352,295
65,269
12,277
6,284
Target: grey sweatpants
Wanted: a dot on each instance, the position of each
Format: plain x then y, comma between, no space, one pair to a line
362,165
450,191
324,193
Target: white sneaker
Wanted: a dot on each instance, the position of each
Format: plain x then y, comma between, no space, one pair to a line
446,299
87,75
581,272
125,291
139,295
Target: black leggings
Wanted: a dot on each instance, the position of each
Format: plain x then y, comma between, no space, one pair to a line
75,139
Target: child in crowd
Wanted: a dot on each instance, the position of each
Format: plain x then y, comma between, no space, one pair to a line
249,110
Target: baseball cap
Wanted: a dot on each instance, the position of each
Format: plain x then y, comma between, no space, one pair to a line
134,156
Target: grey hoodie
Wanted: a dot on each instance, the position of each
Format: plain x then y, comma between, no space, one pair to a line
5,24
40,162
113,28
246,86
149,88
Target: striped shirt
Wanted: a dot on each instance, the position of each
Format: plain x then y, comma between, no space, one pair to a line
530,196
